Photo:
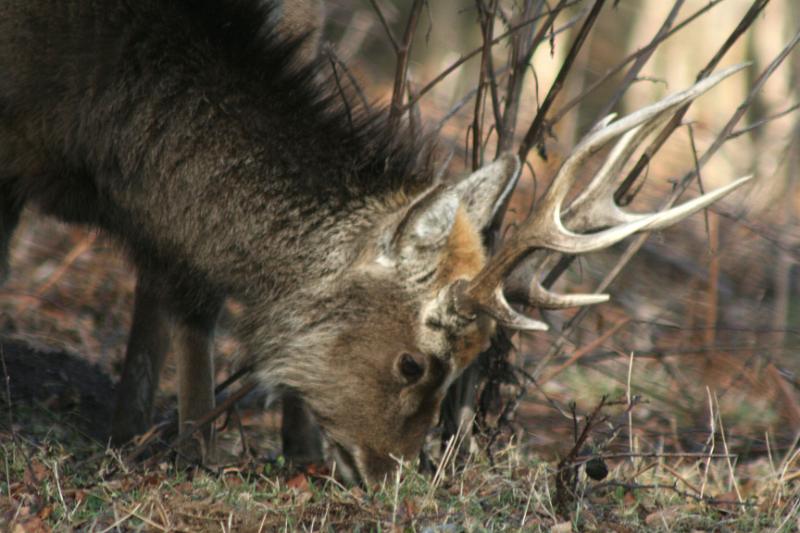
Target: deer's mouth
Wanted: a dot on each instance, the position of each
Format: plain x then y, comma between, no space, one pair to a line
346,466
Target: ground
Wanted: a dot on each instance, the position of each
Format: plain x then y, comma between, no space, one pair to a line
59,475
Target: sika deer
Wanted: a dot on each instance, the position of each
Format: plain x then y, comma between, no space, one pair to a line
188,130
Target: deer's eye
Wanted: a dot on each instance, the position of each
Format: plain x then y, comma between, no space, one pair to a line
411,366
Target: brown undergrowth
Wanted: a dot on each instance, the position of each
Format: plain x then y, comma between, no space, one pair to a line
675,407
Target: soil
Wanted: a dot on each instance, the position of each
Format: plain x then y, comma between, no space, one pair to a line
66,385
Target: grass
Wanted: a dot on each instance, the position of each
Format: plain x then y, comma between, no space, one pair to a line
709,446
54,478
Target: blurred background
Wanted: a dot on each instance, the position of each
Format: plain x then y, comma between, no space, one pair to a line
706,316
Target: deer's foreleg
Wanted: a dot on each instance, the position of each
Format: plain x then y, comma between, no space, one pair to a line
147,346
193,336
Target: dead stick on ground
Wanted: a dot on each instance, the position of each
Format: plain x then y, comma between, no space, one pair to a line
212,415
159,429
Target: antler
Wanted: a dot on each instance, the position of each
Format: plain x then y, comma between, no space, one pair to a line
593,221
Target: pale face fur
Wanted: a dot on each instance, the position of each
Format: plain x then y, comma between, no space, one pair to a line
382,361
380,412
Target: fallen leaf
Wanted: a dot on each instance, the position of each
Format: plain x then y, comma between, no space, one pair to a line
357,493
44,512
184,487
317,470
303,498
299,482
727,502
563,527
33,525
629,499
409,508
667,516
36,473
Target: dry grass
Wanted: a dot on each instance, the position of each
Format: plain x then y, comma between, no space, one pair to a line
703,437
55,479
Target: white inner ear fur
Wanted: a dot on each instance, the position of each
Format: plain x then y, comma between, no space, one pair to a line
486,189
432,227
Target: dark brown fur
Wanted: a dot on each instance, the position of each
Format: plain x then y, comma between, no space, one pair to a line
192,132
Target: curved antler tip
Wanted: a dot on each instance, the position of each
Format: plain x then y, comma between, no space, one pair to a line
592,299
523,323
737,67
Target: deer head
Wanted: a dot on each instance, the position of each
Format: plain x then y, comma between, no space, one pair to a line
422,299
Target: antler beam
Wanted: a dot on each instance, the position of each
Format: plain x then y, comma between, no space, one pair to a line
592,222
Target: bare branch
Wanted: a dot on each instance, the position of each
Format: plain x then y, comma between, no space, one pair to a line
626,185
335,59
763,121
386,26
486,21
655,146
537,127
634,247
463,59
633,73
403,55
523,45
566,108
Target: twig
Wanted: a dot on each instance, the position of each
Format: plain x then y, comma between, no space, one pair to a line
386,26
209,417
331,53
653,455
487,25
342,94
728,461
566,108
538,126
566,471
589,348
401,69
523,45
633,73
457,107
463,59
78,250
663,486
172,425
762,122
712,441
655,146
629,397
681,186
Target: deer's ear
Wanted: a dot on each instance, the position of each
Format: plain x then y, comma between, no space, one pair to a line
486,189
423,230
427,223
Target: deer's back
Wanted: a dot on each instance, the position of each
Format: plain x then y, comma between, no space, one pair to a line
184,127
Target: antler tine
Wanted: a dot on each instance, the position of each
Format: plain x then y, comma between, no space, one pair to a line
648,118
523,286
593,209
